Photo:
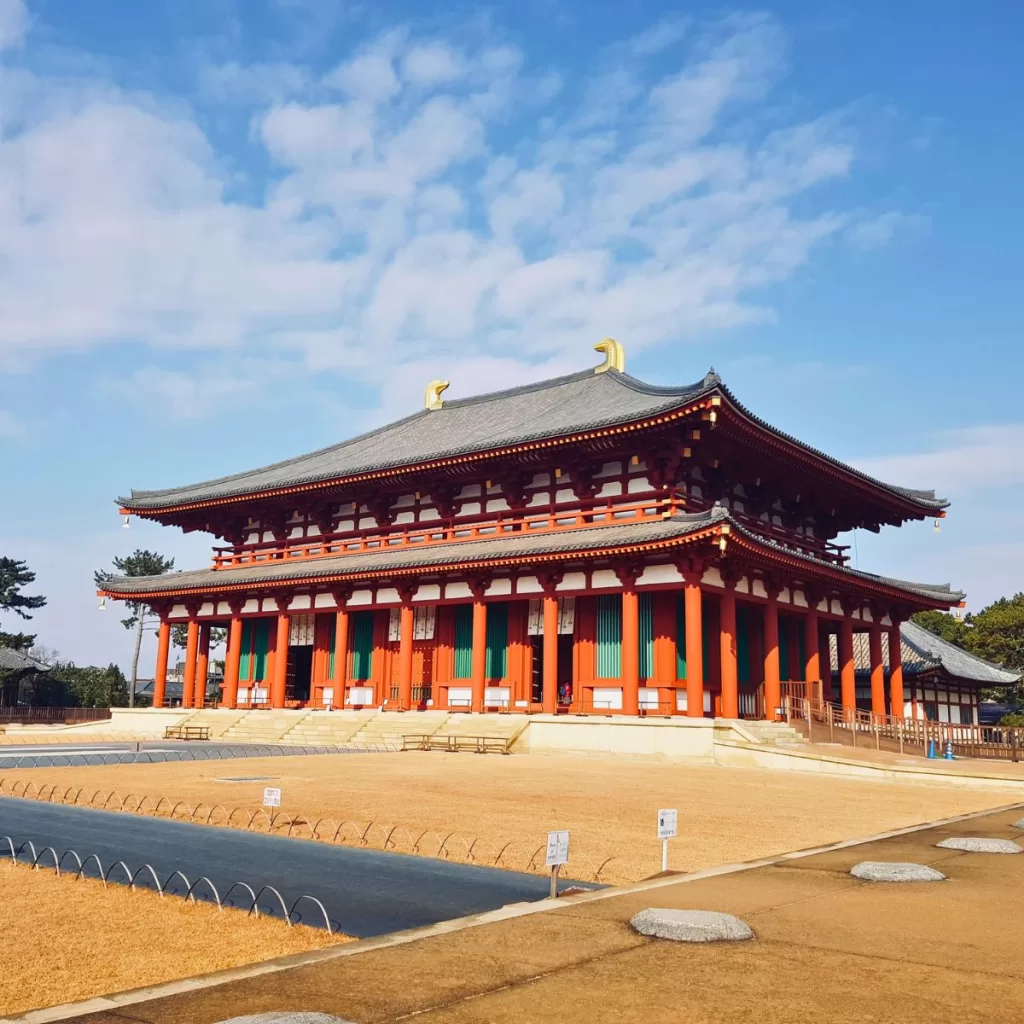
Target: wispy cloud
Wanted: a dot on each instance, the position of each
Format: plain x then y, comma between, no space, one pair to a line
400,214
962,462
13,23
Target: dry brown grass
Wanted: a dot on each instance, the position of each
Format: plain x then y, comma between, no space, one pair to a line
609,804
70,939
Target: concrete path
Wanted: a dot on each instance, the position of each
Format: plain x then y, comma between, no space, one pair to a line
365,892
65,755
827,948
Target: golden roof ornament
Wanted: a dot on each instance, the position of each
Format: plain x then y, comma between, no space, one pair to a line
614,355
432,397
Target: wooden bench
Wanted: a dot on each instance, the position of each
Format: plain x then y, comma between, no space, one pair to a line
187,732
453,743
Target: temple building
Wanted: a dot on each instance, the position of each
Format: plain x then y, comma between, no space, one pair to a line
589,544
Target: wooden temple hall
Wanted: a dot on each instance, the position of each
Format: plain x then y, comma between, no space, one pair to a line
589,544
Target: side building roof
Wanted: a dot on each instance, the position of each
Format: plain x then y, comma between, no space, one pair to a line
923,651
545,411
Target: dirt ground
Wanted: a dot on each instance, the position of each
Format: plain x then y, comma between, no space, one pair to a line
497,809
826,948
70,939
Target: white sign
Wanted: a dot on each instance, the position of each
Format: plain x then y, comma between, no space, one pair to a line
667,827
271,797
558,849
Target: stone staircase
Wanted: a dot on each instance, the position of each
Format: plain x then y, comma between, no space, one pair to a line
774,734
327,728
217,720
387,728
263,726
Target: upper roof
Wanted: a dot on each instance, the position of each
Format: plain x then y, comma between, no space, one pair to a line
548,410
922,651
507,549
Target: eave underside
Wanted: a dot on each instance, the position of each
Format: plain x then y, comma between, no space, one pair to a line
695,537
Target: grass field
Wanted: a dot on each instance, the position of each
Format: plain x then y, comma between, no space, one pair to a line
608,804
72,939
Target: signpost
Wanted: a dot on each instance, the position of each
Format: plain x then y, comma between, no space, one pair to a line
557,855
271,797
667,829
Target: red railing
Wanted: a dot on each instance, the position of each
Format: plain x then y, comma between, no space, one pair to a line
592,512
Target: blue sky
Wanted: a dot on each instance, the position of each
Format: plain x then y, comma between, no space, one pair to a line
237,230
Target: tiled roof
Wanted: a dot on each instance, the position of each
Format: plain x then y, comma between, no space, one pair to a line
923,650
509,546
547,410
15,661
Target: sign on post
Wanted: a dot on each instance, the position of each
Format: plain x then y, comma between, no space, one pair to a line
557,855
667,822
667,829
271,797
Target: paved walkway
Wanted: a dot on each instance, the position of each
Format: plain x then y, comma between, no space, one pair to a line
365,892
828,948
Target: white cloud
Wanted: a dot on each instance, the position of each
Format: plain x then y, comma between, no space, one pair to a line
184,396
966,460
13,23
432,64
874,232
664,34
396,220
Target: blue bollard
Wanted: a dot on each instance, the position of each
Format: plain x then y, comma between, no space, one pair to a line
931,748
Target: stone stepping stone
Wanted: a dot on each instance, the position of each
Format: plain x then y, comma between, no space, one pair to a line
286,1017
690,925
973,844
1019,823
895,871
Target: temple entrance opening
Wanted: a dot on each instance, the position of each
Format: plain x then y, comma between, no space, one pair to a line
300,672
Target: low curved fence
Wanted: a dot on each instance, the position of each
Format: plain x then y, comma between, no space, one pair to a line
69,863
191,753
526,854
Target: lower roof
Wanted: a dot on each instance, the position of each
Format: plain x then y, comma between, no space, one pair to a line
511,549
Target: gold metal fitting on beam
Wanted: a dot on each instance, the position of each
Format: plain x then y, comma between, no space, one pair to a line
614,355
432,396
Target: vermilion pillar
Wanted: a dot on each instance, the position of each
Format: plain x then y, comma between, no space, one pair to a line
812,652
163,647
694,648
202,667
405,657
478,678
772,677
549,668
847,670
279,680
877,671
896,670
232,660
191,649
340,656
730,669
630,652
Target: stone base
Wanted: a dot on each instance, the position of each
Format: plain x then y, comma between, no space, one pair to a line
691,926
895,871
973,844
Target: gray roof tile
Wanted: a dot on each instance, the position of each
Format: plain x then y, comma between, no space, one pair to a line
487,551
547,410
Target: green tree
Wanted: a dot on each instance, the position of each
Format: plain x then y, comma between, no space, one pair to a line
141,563
949,627
86,686
14,577
997,632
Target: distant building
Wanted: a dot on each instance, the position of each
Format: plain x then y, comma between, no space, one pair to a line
587,544
941,682
17,672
